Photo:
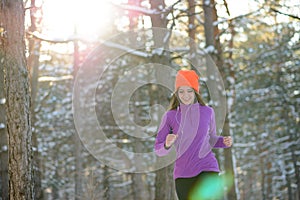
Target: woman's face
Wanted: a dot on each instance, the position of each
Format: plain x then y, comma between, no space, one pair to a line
186,95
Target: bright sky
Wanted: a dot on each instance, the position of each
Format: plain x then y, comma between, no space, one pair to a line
93,17
237,8
90,17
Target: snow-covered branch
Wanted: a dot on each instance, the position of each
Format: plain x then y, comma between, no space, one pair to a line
40,37
127,49
139,9
135,52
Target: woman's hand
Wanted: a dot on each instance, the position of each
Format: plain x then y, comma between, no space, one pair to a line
171,138
227,140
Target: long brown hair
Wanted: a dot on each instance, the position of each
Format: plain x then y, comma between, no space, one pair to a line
174,101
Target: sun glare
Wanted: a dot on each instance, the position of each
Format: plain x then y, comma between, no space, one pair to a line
90,18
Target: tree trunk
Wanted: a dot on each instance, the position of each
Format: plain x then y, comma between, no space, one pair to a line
105,181
3,141
17,100
140,187
158,20
192,34
77,141
78,167
192,26
33,66
133,15
297,175
212,39
164,183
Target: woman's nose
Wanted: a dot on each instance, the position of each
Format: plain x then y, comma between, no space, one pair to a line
185,93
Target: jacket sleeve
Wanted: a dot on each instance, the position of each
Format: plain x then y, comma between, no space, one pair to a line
215,141
162,133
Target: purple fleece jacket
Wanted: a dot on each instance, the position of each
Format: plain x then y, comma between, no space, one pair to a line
196,129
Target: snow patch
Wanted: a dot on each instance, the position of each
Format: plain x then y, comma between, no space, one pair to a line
4,148
207,2
2,101
209,49
158,51
2,125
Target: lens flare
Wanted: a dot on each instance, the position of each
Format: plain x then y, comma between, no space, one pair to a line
211,187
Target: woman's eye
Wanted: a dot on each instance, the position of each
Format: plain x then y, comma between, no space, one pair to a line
190,91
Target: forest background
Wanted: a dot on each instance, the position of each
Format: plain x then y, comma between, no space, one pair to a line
46,44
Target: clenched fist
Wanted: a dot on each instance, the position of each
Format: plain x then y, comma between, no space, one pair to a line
227,140
171,138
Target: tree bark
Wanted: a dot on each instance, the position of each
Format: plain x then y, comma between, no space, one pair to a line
212,39
3,140
164,183
133,15
192,26
17,100
158,20
229,165
140,187
33,66
105,181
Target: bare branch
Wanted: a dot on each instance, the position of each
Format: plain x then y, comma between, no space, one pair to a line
139,9
144,10
42,38
286,14
226,6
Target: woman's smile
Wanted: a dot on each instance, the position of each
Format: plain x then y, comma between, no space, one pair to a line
186,95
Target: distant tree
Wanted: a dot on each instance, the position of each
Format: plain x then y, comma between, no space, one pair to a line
267,103
16,87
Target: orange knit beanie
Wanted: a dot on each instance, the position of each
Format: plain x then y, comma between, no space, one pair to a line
187,78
